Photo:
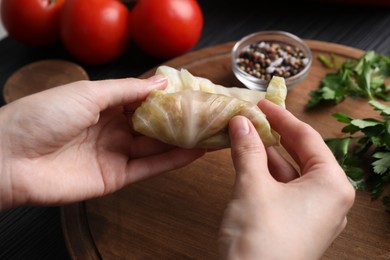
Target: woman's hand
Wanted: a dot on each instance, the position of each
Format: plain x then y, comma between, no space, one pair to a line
73,143
275,212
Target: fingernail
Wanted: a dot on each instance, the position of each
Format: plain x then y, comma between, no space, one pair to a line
242,126
157,79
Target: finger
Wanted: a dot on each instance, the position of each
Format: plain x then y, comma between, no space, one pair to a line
147,167
125,91
248,152
301,141
279,167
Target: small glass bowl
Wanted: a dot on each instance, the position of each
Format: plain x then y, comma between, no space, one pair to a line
256,83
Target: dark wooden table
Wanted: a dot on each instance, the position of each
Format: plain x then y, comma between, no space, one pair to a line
35,232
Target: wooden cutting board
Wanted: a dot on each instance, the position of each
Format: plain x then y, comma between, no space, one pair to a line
177,215
41,75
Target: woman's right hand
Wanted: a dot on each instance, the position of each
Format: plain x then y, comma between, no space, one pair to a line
276,212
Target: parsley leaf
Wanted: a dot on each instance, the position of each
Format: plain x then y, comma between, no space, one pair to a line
364,154
385,110
362,78
325,61
382,165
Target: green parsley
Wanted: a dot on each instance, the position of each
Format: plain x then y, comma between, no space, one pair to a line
354,78
364,153
333,62
325,61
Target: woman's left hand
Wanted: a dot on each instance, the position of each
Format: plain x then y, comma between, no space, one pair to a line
72,143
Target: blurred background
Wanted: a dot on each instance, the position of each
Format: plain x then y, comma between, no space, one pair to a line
2,31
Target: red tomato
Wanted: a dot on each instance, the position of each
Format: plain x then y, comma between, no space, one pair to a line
166,28
95,31
33,22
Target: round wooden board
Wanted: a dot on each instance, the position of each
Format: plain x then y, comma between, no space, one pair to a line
177,215
41,75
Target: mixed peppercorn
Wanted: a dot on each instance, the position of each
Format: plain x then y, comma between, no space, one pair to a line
266,59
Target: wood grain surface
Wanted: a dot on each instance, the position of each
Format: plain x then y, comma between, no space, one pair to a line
41,75
177,215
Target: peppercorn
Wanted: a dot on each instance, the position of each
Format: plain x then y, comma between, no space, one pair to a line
266,59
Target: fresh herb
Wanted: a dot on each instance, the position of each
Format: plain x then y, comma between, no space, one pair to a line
332,62
364,153
354,78
325,61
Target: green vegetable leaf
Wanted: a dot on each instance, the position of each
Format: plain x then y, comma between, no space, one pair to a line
364,153
356,174
385,110
362,78
382,165
364,123
364,143
325,61
339,147
350,129
377,189
328,93
342,118
358,184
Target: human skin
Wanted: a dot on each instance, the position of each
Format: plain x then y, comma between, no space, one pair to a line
276,212
73,143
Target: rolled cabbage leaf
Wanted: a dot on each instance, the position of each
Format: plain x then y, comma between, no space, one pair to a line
193,112
182,79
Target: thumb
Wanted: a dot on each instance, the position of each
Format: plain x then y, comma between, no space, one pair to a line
247,150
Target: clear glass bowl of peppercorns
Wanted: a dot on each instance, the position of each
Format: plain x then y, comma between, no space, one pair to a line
259,56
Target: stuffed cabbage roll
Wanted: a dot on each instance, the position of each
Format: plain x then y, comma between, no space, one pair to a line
193,112
182,79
